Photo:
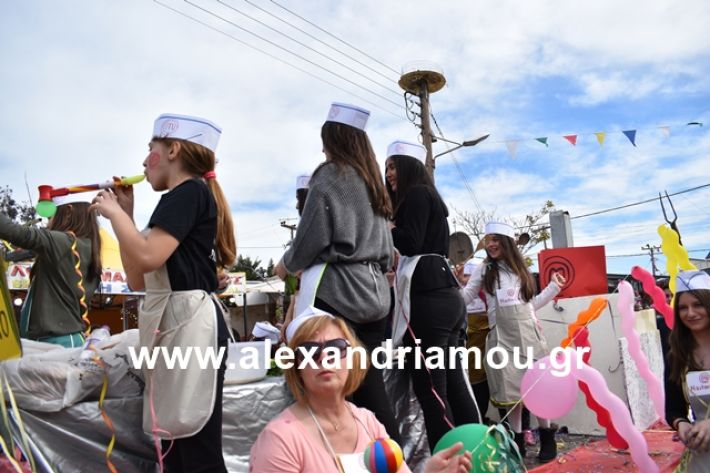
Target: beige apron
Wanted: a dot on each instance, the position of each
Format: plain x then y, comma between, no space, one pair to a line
694,461
515,327
177,403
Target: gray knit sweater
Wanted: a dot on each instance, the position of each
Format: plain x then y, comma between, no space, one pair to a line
339,227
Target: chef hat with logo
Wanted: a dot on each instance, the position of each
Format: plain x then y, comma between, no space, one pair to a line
346,114
406,148
184,127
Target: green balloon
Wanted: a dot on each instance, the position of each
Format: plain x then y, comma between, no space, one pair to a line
46,208
475,439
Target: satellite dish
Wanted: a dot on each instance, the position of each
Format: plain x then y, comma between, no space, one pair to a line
523,239
460,248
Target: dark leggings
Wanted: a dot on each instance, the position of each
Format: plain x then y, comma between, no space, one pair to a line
371,394
436,319
201,453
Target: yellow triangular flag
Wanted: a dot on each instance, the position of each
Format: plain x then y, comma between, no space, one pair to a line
600,137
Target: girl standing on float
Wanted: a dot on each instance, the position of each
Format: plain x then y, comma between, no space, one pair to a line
510,297
437,312
687,372
57,300
343,245
189,234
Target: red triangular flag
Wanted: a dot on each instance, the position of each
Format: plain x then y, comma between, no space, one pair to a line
571,138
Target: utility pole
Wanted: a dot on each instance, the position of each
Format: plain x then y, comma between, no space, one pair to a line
652,250
290,227
422,79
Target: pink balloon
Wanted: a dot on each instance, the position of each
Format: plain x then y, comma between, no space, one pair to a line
625,305
545,394
620,416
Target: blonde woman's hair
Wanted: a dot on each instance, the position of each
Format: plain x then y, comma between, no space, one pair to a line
307,332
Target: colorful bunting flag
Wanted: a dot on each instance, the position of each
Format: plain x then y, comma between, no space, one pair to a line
600,137
512,147
543,140
631,135
666,130
571,138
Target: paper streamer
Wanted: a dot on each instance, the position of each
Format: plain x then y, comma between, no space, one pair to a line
625,305
656,293
581,340
621,418
676,256
595,309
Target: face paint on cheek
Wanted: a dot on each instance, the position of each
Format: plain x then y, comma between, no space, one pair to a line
153,160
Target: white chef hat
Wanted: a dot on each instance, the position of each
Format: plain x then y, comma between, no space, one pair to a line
184,127
307,314
266,330
500,228
346,114
691,280
406,148
302,182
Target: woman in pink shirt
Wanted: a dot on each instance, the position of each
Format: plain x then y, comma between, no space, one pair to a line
322,432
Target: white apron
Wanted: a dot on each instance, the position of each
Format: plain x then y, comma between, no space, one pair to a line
697,389
310,280
515,327
177,403
402,303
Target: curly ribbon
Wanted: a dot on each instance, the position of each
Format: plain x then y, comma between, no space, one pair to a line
107,420
581,340
595,309
625,305
80,285
676,256
20,425
655,292
638,447
507,458
154,422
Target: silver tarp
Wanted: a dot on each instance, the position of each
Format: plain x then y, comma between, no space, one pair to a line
75,438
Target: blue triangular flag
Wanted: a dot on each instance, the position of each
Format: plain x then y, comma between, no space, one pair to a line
631,135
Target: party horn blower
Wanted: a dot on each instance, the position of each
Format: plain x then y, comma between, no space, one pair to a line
47,208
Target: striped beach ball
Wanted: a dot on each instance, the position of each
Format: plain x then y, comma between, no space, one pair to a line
383,456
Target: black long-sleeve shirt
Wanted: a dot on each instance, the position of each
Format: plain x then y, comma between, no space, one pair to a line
421,229
676,402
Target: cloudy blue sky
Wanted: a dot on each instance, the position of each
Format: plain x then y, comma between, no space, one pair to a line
82,82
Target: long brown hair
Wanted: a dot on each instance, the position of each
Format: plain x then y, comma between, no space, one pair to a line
682,341
77,218
197,160
512,257
410,172
350,146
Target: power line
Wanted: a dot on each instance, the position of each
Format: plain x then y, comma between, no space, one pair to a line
319,40
300,43
638,203
276,45
335,37
612,209
283,61
456,163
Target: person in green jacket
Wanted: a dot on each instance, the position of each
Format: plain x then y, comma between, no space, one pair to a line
56,307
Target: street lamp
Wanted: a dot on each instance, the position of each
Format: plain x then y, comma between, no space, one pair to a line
464,144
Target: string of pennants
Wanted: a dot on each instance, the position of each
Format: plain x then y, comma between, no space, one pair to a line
512,145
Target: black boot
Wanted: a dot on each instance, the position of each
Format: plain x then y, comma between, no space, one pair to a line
520,442
548,445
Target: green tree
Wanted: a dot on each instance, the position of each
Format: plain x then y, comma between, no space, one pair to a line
252,267
20,212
